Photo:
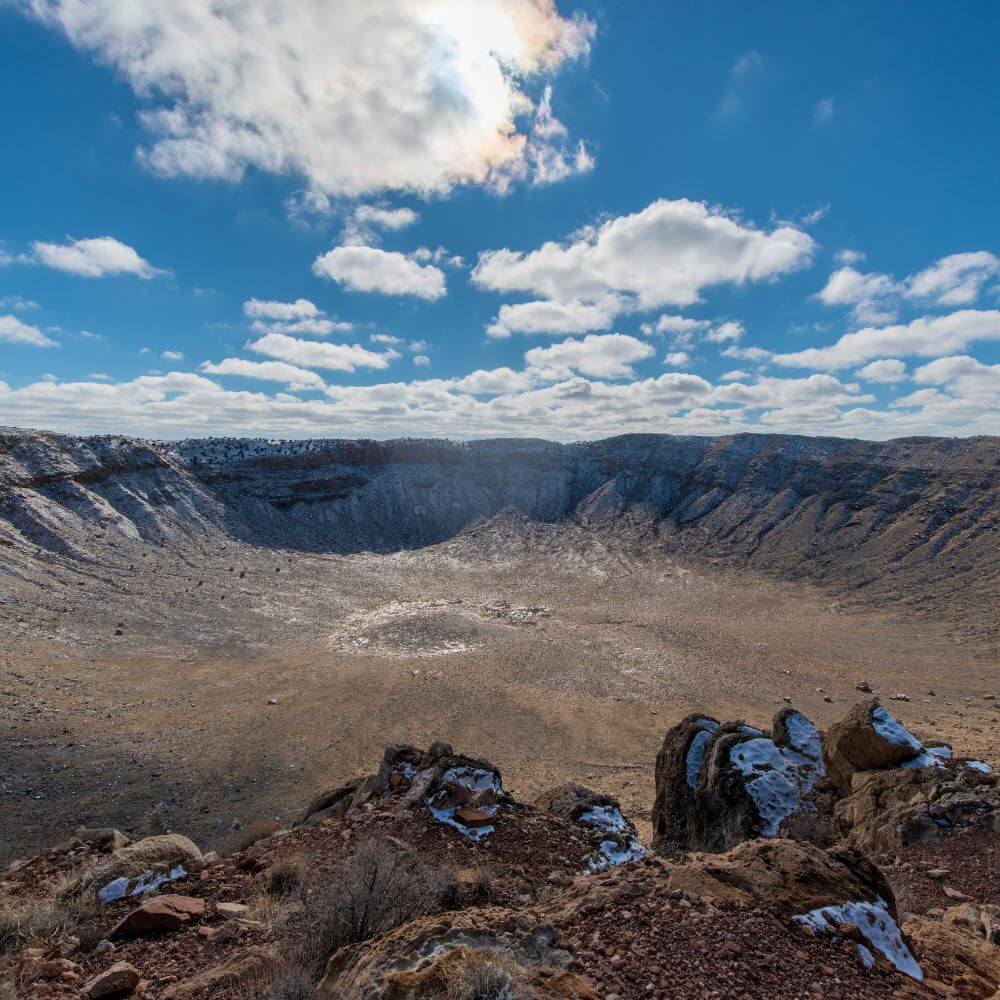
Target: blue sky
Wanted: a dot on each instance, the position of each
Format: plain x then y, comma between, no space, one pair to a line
499,218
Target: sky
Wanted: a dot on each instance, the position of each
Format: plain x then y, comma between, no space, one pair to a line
499,218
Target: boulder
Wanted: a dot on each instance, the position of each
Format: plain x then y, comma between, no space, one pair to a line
159,915
102,838
117,981
981,919
868,738
787,876
414,960
250,965
948,952
615,837
678,821
162,852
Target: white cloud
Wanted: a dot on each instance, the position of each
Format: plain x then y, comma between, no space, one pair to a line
558,318
664,255
365,223
17,303
681,325
677,359
93,258
756,355
887,371
336,357
385,338
499,380
285,311
370,269
736,375
849,256
823,112
13,331
439,256
300,316
731,330
353,97
505,403
966,377
608,355
271,371
421,360
871,297
742,77
783,392
172,356
956,280
927,336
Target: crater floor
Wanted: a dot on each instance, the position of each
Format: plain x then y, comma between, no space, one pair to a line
190,686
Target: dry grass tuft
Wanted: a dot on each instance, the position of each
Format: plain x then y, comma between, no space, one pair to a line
486,974
32,921
287,876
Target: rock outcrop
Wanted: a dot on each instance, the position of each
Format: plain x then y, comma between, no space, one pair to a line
718,785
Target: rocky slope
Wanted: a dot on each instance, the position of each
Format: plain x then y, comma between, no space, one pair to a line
912,523
426,880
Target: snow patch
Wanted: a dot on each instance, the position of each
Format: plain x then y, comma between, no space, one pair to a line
891,731
876,925
978,765
777,778
146,882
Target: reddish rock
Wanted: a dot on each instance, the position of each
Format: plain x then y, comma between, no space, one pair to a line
473,818
158,915
118,981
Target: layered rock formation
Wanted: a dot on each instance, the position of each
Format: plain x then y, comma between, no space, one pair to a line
873,518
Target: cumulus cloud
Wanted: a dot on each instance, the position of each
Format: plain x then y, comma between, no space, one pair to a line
300,88
13,331
546,316
927,336
677,359
490,383
888,371
756,355
967,377
286,311
504,402
421,360
336,357
955,280
269,371
172,356
366,222
93,258
664,255
371,269
608,355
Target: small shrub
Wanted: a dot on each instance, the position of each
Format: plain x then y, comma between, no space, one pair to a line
382,886
486,974
287,876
